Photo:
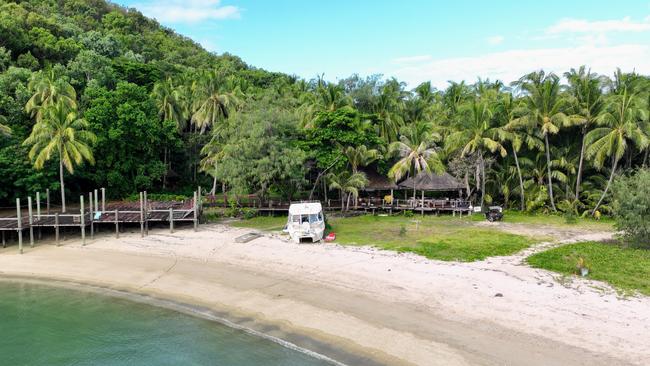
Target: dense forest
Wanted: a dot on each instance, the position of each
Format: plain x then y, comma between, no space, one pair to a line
95,95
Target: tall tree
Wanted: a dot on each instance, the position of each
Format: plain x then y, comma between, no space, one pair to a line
348,184
214,101
588,103
545,112
476,135
48,90
618,126
360,156
62,134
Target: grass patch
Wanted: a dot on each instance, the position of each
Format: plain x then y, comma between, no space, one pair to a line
265,223
625,268
443,237
518,217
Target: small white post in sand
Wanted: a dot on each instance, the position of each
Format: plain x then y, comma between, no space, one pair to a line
171,220
196,217
92,215
141,215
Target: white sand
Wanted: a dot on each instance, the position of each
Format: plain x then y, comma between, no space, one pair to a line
386,307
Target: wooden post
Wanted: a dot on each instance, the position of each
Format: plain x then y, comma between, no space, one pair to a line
38,213
97,201
171,220
31,222
82,222
56,227
20,226
422,203
146,218
117,225
47,197
141,215
200,201
196,217
4,243
92,215
103,199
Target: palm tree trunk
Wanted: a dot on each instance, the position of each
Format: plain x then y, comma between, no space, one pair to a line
164,182
482,180
582,157
214,186
347,208
62,186
609,182
645,157
521,180
548,168
225,195
342,201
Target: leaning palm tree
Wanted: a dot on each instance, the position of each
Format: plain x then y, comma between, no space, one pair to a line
507,108
47,91
618,127
62,134
348,184
168,98
544,112
588,103
360,156
4,129
415,157
477,136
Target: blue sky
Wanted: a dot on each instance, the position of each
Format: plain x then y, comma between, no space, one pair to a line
416,40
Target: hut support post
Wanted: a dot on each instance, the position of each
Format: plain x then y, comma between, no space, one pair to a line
422,203
103,199
141,215
47,198
82,222
196,217
56,228
38,212
19,225
146,219
4,242
117,225
92,215
171,220
31,221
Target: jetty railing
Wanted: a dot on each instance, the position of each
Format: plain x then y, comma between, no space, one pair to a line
96,213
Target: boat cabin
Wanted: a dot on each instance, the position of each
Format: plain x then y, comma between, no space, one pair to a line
306,221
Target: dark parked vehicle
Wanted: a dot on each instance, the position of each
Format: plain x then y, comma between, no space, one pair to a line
494,213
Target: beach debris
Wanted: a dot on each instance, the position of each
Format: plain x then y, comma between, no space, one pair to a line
330,237
247,237
498,294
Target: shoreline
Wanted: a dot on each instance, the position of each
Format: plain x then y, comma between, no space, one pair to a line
170,304
347,304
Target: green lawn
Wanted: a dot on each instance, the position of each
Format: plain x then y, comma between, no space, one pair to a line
518,217
265,223
625,268
442,237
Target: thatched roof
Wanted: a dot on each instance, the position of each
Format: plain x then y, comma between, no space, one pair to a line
378,182
432,182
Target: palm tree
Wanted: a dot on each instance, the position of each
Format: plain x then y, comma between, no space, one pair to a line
214,101
170,108
587,97
62,134
48,90
4,129
360,156
388,107
507,108
348,184
618,126
417,154
477,136
544,112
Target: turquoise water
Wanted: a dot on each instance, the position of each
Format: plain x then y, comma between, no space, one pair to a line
42,325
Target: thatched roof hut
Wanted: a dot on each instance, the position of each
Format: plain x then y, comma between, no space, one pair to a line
432,182
378,182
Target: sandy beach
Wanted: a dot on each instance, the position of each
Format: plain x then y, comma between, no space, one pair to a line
359,305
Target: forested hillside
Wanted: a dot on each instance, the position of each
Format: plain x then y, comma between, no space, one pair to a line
103,96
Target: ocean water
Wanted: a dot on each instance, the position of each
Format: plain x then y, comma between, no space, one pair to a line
42,325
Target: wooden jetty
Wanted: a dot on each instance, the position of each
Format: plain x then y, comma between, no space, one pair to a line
93,212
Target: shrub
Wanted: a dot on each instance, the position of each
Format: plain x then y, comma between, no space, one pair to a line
407,213
632,207
402,230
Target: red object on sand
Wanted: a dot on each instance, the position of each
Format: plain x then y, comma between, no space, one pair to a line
330,237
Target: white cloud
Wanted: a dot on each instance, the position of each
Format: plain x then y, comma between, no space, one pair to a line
412,59
511,65
179,11
495,40
599,26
